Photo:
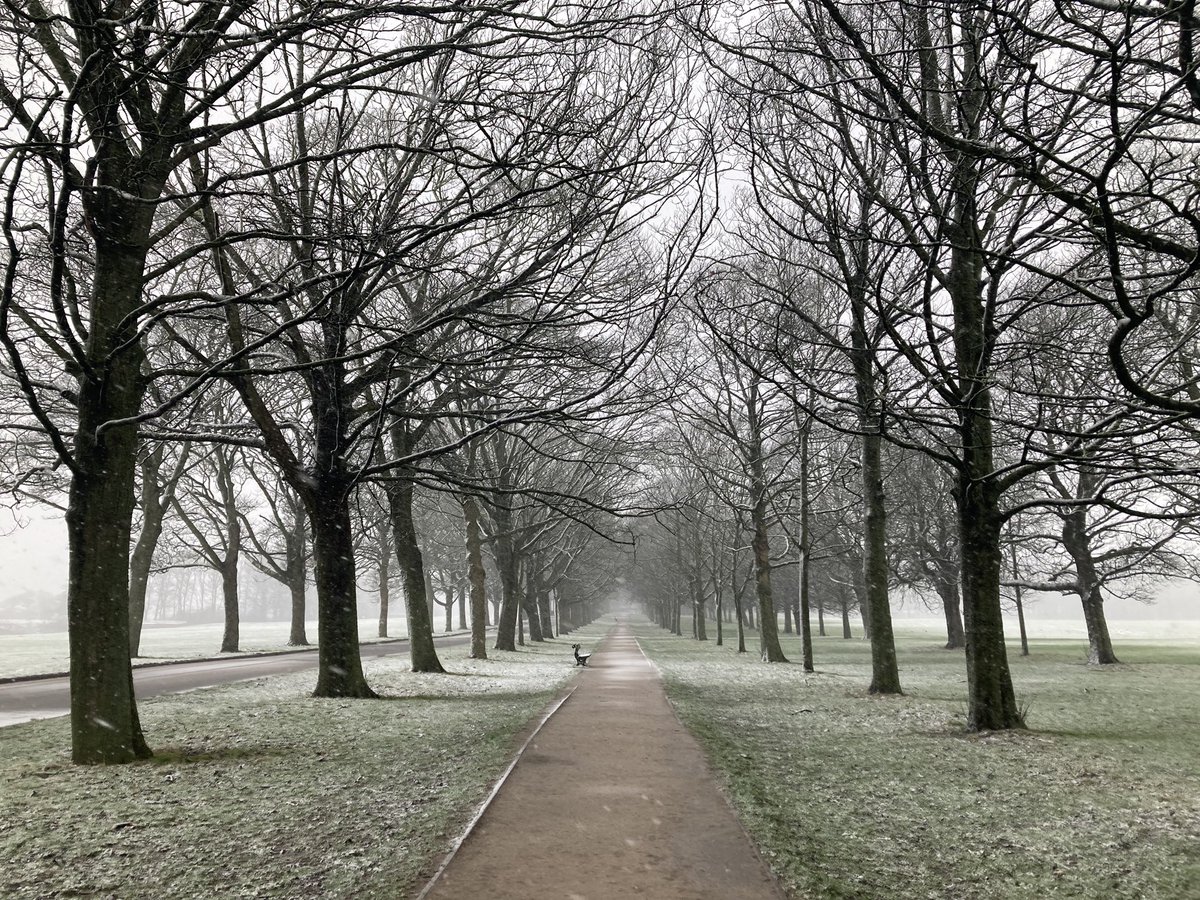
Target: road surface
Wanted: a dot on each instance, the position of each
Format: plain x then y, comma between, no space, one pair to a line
45,698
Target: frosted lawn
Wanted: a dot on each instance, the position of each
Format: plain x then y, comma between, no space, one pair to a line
855,796
45,654
260,791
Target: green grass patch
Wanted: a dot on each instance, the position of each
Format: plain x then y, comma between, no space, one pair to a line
854,796
257,790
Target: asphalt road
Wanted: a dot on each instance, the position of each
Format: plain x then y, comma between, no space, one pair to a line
45,698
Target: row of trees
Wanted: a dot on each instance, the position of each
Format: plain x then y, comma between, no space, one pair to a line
956,244
393,249
357,240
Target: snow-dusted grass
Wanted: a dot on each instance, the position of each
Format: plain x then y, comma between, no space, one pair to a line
257,790
853,796
45,654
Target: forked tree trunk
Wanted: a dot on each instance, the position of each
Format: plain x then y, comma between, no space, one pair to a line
156,499
1075,539
533,614
947,590
991,702
770,648
506,563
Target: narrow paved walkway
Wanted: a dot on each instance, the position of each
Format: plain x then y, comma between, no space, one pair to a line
612,800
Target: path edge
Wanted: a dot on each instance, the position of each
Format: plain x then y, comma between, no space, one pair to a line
722,787
483,807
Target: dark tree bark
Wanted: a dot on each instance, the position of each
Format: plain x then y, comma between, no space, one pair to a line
768,625
507,564
476,575
156,499
383,548
885,672
1076,541
339,671
529,606
422,651
947,590
805,546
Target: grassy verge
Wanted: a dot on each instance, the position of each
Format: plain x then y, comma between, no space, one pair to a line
48,653
852,796
260,791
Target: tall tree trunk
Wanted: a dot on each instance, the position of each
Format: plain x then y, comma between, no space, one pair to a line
104,720
698,614
153,513
860,597
991,702
533,614
506,562
1075,539
383,557
421,648
476,576
231,638
297,576
845,604
462,605
885,672
542,600
1019,600
339,661
508,566
803,624
231,634
947,589
771,650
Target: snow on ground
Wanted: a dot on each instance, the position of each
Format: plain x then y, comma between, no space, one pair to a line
258,790
44,654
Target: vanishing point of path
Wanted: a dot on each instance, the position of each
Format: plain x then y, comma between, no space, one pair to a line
613,799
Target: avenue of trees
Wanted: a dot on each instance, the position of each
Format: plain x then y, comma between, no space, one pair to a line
493,307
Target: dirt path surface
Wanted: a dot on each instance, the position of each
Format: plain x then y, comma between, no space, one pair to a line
612,800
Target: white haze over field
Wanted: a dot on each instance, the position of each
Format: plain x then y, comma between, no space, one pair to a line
33,558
